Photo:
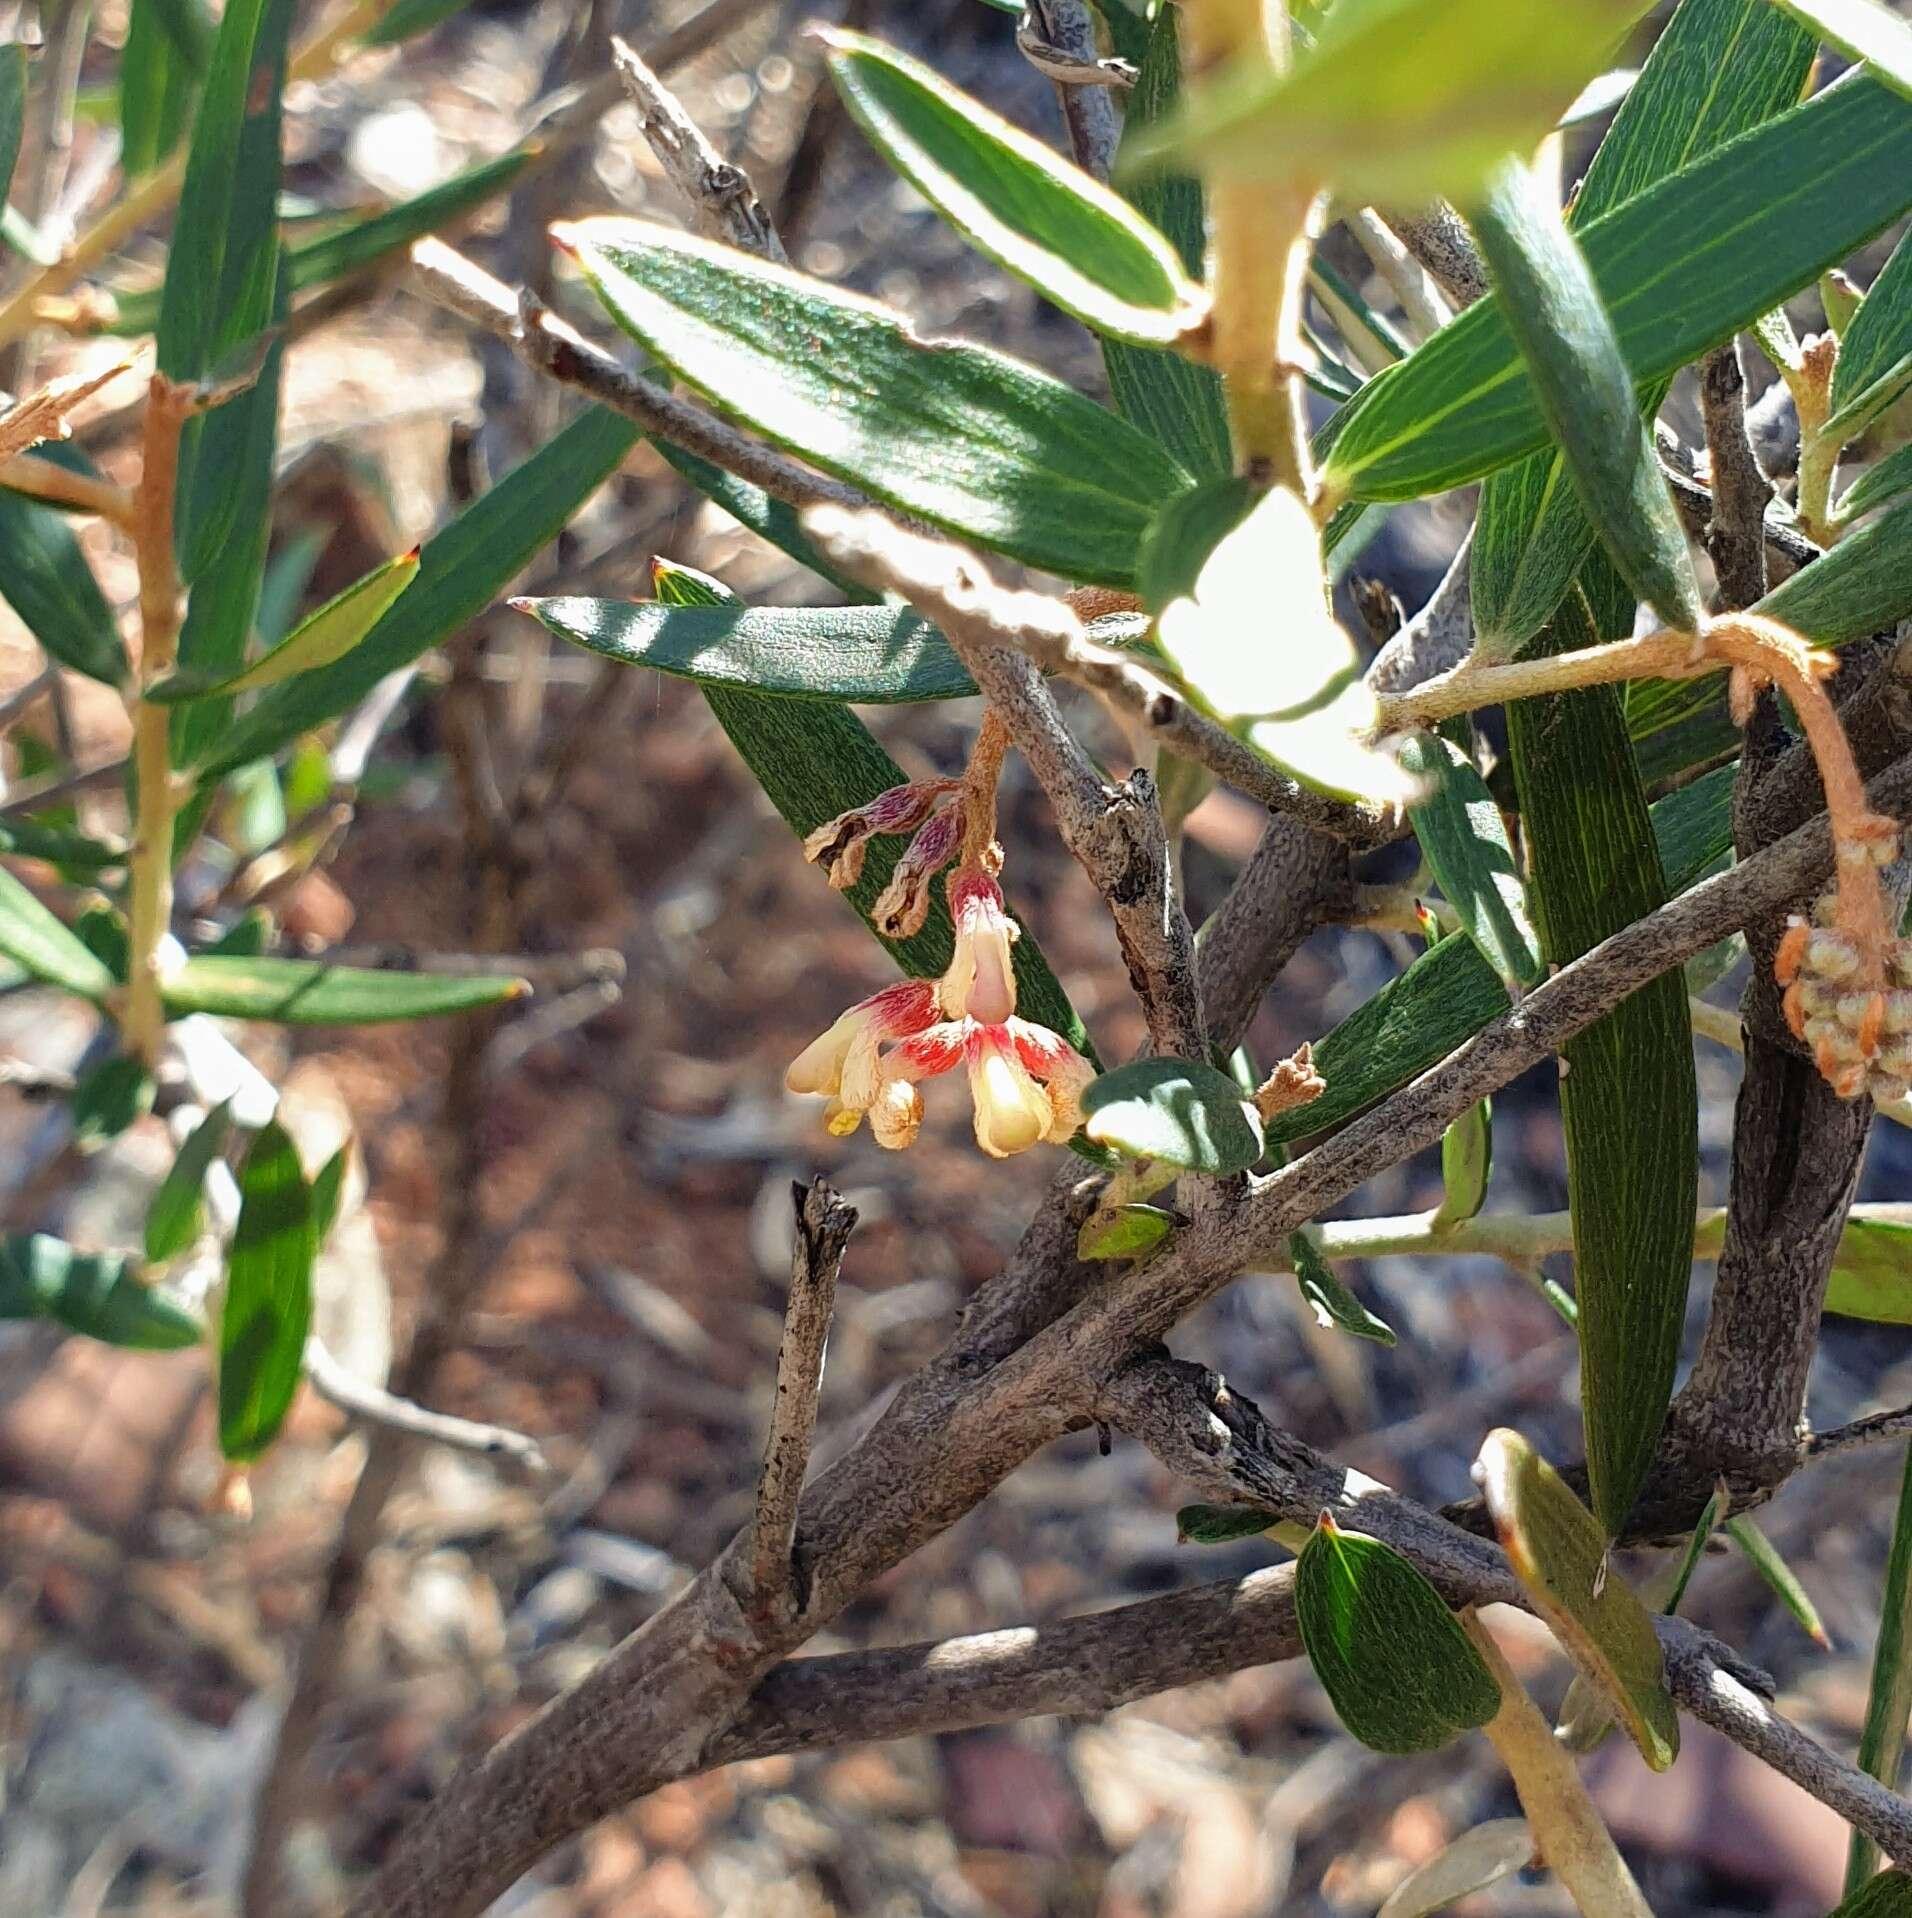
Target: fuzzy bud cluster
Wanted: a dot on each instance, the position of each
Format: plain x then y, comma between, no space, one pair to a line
1852,1009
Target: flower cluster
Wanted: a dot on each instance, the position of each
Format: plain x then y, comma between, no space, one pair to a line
1026,1081
1855,1012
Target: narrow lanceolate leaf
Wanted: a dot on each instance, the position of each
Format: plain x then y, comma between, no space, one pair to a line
1221,1524
1883,480
156,88
1889,1699
44,577
1176,403
1413,1022
308,992
1390,1655
31,936
1628,1098
1400,100
223,266
872,655
1015,199
320,640
1475,1860
1864,29
462,569
1580,380
1872,1272
1180,1112
363,243
1693,829
1560,1554
1780,1577
60,846
98,1294
1719,69
172,1220
1880,335
1467,1164
268,1305
13,103
109,1099
1861,587
1328,1299
1467,849
1710,1521
1123,1231
1887,1896
992,450
1670,269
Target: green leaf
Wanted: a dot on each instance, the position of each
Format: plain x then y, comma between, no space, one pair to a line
327,1190
1176,403
1221,1524
1872,1272
815,759
1720,68
1123,1231
1673,275
1185,532
13,107
1330,1301
873,655
1475,1860
1887,1896
1014,199
462,569
1256,644
1182,1112
1889,1696
71,851
1880,335
1865,30
1392,1658
1779,1576
1559,1552
364,243
980,444
410,17
98,1294
31,936
109,1099
223,267
156,86
1465,842
1693,829
172,1220
1628,1097
322,639
44,577
1400,100
268,1305
1413,1022
1467,1164
1580,380
1710,1521
1861,587
1883,480
309,992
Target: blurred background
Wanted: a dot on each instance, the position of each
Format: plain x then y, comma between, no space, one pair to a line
618,1193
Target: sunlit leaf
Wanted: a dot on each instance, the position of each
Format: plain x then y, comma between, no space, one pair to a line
98,1294
1181,1112
172,1220
268,1304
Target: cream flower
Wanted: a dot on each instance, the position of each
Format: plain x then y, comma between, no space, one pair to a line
981,982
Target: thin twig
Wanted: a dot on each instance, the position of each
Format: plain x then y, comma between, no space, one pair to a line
1735,537
62,486
824,1225
1411,282
376,1406
721,198
1439,239
1057,37
544,341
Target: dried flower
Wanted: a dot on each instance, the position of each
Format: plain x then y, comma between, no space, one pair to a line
839,844
903,905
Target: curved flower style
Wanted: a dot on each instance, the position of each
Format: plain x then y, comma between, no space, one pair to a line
1026,1082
